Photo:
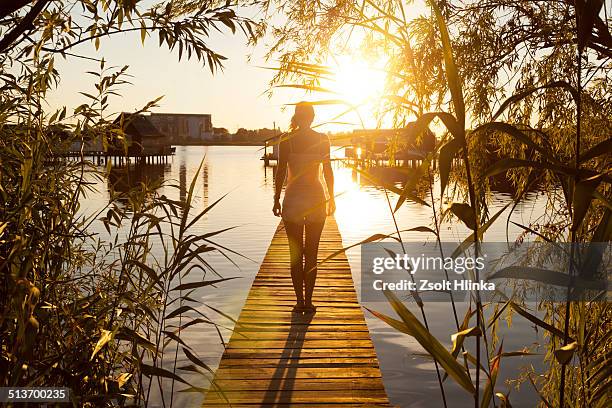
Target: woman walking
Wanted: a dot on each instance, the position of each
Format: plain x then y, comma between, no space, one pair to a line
302,152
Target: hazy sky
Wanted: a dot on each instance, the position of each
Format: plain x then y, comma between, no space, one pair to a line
235,97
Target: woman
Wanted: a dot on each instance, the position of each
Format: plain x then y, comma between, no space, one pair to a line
305,207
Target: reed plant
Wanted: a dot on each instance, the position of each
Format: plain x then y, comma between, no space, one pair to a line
97,301
436,71
101,313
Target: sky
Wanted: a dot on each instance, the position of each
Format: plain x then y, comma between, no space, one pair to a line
235,97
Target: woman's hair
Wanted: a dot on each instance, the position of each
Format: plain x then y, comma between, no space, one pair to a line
303,115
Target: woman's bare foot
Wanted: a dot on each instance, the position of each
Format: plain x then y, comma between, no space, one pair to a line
298,307
310,308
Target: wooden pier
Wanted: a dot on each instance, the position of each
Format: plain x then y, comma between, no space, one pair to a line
279,358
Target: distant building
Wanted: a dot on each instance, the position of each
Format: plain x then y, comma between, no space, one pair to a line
142,137
184,126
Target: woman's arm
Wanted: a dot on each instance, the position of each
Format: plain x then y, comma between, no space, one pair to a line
328,173
279,180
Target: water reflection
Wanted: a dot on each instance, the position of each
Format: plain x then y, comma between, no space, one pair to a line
501,184
121,179
205,170
362,210
182,182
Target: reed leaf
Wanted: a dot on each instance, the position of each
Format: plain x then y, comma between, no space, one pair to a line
205,211
193,285
595,251
537,321
449,121
542,397
189,199
517,354
153,371
487,393
600,149
175,337
564,354
586,14
532,231
125,333
470,357
546,276
410,186
372,238
505,400
315,68
583,195
604,200
194,322
181,310
469,241
518,135
452,75
447,154
459,337
431,344
194,359
465,213
406,192
295,70
310,88
396,324
105,337
522,95
509,163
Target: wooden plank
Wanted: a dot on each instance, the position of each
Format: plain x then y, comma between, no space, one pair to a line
309,335
279,358
294,405
315,384
277,353
301,361
299,396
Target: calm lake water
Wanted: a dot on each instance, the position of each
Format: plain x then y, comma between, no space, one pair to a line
362,210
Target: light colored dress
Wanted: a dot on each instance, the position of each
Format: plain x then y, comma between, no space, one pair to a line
305,200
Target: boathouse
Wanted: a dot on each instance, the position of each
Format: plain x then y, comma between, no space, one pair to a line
401,144
142,137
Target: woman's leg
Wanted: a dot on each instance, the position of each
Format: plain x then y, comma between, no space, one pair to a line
295,235
311,248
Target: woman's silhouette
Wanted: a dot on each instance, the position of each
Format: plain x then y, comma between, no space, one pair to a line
305,206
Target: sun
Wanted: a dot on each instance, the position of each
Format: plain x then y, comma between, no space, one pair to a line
358,81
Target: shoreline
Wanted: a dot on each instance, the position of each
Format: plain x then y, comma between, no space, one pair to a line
218,143
215,143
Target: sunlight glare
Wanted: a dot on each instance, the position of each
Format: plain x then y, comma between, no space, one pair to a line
358,81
